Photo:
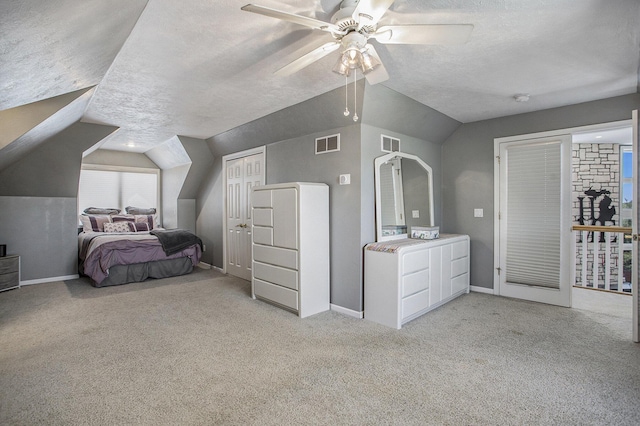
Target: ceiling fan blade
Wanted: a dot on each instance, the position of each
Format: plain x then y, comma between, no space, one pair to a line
423,34
291,17
379,73
369,12
308,58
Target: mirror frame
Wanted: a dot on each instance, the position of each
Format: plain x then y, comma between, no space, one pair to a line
378,162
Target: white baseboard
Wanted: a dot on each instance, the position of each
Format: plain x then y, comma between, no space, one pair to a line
218,269
204,265
348,312
49,280
481,289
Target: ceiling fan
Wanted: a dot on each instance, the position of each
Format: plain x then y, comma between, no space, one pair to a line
353,26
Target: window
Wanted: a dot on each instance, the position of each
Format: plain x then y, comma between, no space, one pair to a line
328,144
117,187
390,144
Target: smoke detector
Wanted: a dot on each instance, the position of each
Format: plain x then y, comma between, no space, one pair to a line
521,97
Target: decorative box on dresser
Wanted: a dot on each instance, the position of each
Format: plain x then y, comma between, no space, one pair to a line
290,246
9,272
408,278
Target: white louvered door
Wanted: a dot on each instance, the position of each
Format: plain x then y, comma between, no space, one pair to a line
535,220
242,174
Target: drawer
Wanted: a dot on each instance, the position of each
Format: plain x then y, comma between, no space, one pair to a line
459,267
275,293
9,264
459,249
415,282
276,256
415,303
261,198
262,217
9,280
461,282
262,235
415,261
276,275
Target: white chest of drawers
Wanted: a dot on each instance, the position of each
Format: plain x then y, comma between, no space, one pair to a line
407,278
290,246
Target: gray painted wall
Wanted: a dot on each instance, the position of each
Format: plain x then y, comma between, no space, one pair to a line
38,202
294,160
289,136
108,157
468,163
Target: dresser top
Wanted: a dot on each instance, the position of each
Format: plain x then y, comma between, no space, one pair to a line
392,246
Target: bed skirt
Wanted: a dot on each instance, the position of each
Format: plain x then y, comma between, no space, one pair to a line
137,272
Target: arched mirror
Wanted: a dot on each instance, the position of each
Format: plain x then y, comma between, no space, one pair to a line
404,195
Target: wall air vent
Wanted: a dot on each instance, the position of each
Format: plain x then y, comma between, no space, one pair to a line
389,144
328,144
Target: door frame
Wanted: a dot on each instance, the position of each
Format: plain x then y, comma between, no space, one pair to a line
230,157
496,181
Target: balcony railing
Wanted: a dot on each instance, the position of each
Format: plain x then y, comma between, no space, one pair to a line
603,258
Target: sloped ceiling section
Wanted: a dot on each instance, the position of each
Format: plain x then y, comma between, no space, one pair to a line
52,125
20,120
59,46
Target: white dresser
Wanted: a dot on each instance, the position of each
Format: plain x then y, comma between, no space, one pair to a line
404,279
290,246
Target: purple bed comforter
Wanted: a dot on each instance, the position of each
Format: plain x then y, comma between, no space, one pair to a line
98,251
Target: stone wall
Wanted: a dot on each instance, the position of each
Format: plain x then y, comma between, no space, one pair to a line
596,170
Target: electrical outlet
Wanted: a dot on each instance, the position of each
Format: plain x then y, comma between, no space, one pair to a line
478,212
204,247
345,179
415,214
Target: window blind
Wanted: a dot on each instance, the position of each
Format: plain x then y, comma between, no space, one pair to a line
107,188
533,214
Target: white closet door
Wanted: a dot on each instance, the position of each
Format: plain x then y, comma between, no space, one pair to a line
534,222
241,175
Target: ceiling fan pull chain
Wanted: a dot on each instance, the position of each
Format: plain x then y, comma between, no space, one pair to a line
355,94
346,95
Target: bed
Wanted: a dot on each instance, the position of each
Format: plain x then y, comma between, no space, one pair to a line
114,250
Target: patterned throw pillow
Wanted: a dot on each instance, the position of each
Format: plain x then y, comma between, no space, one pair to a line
117,227
138,227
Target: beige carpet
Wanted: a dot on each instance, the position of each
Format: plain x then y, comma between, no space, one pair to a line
198,350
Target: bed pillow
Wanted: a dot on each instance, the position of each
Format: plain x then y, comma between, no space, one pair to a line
117,227
150,219
123,218
139,210
95,223
101,210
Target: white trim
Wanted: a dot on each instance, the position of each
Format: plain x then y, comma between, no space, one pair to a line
49,280
346,311
204,265
378,161
108,168
258,150
485,290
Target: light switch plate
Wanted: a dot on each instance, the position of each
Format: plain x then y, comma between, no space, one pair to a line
415,214
478,212
345,179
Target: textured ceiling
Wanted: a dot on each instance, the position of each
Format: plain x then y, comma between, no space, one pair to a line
201,67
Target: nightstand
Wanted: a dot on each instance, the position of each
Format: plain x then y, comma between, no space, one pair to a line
9,272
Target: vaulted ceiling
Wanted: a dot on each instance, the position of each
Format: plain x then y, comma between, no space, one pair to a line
197,68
